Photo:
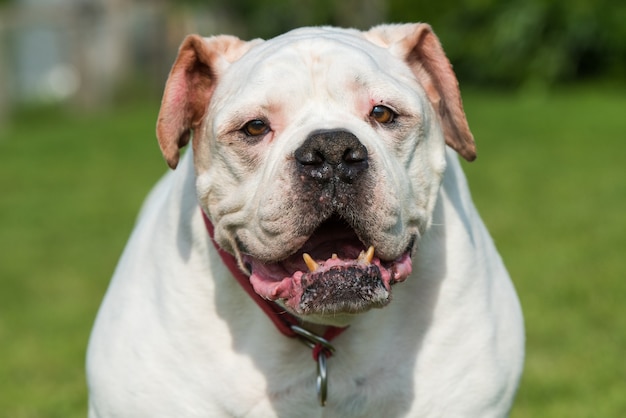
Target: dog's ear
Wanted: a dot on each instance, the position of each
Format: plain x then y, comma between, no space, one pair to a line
422,51
188,89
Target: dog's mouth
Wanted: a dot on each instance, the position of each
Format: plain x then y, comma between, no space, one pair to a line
333,272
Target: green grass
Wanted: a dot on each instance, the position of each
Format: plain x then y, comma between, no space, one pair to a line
70,189
550,182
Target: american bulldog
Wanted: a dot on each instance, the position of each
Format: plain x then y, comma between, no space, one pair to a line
321,201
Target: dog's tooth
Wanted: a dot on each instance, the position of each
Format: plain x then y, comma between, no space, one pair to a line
310,263
369,255
334,256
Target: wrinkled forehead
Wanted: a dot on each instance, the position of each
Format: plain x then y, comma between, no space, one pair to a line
308,56
320,46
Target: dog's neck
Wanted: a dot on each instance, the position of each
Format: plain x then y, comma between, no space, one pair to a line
316,337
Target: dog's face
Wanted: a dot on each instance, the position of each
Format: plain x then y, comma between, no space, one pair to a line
318,155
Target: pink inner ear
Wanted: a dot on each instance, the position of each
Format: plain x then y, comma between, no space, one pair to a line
189,87
173,124
186,95
432,68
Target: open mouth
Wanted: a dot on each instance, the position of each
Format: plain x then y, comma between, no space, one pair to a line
333,272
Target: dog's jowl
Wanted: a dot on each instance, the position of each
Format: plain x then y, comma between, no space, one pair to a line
320,201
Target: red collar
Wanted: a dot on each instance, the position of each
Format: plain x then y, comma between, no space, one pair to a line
287,324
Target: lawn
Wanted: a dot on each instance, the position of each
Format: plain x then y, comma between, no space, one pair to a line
550,182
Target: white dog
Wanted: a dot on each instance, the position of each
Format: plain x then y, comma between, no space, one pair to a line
319,165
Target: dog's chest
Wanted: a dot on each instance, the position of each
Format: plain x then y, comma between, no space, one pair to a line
291,389
277,377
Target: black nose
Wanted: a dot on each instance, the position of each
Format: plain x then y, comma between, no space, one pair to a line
325,155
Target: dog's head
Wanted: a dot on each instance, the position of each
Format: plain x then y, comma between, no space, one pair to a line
318,155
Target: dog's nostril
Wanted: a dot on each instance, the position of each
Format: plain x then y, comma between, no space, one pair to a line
325,155
355,155
310,157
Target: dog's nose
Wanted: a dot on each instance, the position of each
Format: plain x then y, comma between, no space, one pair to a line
325,155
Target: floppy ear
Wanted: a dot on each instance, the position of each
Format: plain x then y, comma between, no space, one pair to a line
422,51
189,87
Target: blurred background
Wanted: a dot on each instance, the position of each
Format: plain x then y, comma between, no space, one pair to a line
544,87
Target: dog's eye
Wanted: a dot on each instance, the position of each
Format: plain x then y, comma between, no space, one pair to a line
256,127
382,114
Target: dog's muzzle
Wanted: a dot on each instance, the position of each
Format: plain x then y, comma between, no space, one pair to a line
336,270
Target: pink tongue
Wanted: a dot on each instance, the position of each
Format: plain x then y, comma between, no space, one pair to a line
273,281
402,268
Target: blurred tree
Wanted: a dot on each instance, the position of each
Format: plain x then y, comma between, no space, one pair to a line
268,18
490,42
520,42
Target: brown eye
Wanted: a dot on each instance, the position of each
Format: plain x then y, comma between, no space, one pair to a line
256,127
382,114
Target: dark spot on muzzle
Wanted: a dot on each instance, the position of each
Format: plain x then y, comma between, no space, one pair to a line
350,289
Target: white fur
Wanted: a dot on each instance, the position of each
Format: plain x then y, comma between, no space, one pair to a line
450,343
176,336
